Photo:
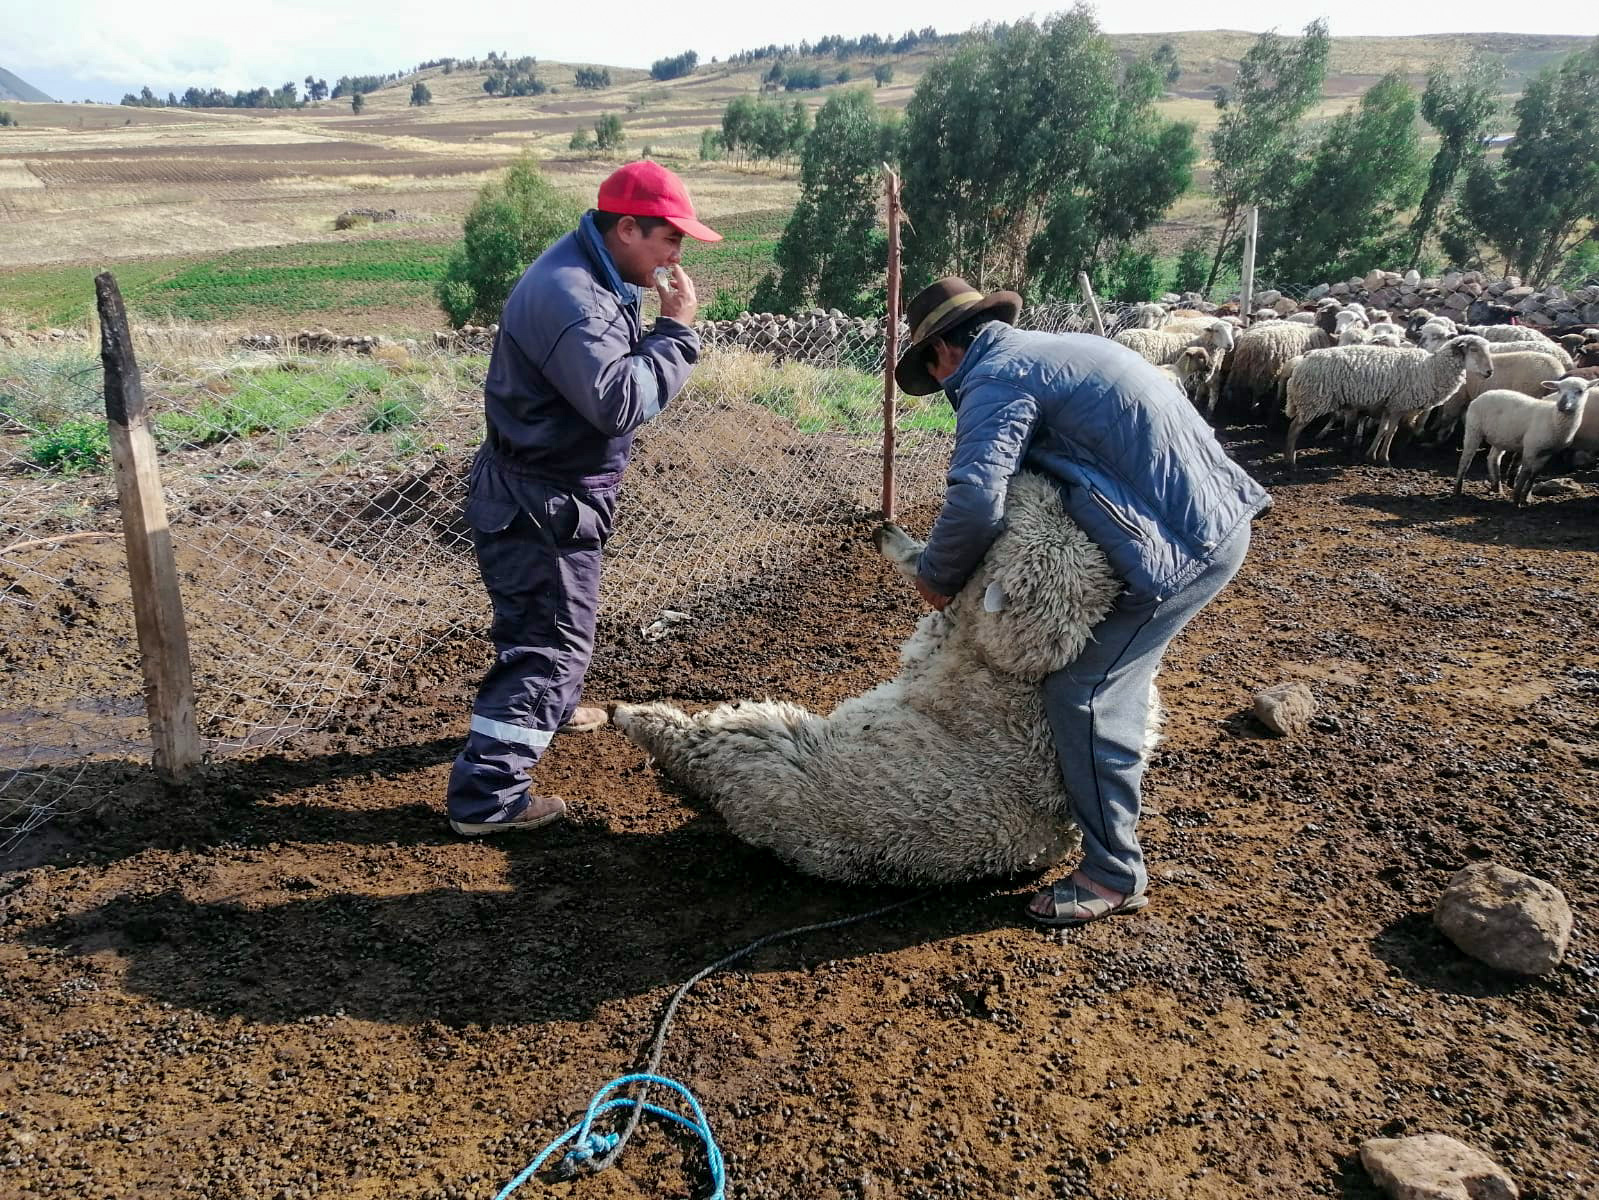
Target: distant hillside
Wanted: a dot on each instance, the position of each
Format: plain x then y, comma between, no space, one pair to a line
12,88
1211,57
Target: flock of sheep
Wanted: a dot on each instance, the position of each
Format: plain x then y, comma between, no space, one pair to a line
1518,391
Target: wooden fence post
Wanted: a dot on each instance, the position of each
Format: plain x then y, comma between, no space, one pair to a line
1093,304
891,344
1246,301
152,567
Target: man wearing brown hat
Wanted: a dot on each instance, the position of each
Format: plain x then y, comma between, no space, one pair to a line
1143,475
573,375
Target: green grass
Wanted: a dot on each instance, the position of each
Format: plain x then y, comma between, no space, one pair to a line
272,283
75,445
291,280
53,296
393,411
275,400
735,264
58,402
38,391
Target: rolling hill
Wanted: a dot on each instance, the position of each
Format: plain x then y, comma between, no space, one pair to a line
13,88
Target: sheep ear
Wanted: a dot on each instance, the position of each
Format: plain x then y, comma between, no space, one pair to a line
1550,385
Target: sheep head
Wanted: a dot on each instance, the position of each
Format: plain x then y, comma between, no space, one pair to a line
1468,352
1570,393
1434,334
1218,336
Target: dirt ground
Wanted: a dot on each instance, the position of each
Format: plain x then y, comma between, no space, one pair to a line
289,980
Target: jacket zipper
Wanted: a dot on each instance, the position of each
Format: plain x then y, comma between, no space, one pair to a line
1122,522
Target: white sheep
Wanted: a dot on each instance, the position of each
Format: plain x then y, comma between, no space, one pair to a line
948,772
1162,346
1435,333
1261,352
1386,333
1515,370
1509,333
1535,427
1198,371
1145,316
1350,328
1396,385
1194,325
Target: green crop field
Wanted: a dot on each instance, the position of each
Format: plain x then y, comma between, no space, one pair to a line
273,283
379,279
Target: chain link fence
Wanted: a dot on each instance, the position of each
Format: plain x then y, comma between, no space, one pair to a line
315,503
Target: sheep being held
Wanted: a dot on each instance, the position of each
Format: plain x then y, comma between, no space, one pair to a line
947,772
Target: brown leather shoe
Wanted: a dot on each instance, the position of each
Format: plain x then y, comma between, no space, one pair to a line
540,811
586,718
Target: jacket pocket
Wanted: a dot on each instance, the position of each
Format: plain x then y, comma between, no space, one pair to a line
1122,520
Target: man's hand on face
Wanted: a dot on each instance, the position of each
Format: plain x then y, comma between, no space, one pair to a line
679,302
935,599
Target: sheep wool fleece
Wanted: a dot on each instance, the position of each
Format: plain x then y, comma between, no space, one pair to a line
572,377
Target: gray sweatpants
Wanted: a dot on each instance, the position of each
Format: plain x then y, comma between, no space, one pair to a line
1098,709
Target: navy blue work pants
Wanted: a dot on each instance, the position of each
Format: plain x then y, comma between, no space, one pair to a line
538,552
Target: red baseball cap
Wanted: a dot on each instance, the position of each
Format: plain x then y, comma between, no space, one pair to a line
647,189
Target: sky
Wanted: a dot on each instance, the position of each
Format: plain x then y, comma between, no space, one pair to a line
97,49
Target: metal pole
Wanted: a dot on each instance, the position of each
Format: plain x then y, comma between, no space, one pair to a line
1093,304
1246,301
891,343
152,566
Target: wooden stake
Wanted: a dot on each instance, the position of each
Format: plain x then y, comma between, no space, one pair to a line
1246,301
152,567
1093,304
891,344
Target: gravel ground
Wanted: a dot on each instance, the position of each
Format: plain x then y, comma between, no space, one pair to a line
288,980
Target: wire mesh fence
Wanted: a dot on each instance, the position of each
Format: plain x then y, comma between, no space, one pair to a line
315,503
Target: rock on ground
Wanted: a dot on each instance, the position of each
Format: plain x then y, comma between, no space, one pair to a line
1508,920
1286,708
1434,1166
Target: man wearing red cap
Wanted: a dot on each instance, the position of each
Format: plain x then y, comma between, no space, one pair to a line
573,375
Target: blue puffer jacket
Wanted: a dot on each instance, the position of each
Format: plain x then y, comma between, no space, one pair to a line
1138,468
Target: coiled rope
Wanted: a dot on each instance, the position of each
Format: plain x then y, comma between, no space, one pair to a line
595,1152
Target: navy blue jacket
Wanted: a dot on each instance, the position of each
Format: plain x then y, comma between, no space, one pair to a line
573,373
1138,467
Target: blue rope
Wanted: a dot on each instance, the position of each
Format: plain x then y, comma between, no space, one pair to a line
597,1151
591,1145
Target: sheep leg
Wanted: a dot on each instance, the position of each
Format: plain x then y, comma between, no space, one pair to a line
1347,422
1295,428
1385,436
899,547
1496,456
1468,451
1527,476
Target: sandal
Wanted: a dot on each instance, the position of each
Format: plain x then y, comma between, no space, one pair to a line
1076,905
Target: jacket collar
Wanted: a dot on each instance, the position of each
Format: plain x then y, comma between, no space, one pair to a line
981,345
593,242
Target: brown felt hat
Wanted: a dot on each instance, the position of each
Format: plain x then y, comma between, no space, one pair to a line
937,308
